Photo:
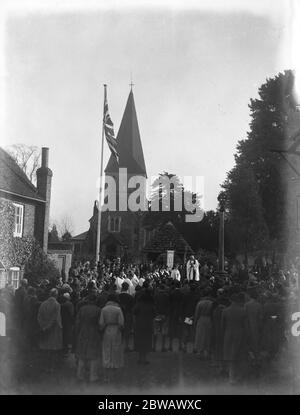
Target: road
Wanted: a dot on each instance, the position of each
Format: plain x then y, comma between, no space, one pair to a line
168,373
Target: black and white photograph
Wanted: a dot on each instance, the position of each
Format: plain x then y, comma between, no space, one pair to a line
150,199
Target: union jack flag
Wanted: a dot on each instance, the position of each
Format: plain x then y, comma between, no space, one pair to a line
109,130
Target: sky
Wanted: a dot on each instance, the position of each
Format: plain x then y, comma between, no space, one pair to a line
195,66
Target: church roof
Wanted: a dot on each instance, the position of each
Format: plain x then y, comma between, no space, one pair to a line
129,145
168,237
80,237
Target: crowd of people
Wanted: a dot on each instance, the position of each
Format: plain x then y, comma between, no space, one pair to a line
236,320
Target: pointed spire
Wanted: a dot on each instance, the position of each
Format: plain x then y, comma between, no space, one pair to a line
129,145
95,209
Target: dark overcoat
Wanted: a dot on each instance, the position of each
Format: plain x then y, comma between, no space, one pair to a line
144,314
88,338
234,329
254,324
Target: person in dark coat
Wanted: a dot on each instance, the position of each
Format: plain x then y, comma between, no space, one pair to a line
272,332
88,339
67,318
203,325
31,308
49,319
234,329
20,295
176,302
144,313
217,333
103,296
162,310
127,303
254,313
190,300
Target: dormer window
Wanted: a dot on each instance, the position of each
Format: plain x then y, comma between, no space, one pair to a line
114,224
19,215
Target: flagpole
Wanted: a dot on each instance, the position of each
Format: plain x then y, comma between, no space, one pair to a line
98,244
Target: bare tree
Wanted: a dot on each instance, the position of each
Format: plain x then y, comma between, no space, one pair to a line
27,157
65,226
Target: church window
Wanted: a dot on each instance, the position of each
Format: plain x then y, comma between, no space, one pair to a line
114,224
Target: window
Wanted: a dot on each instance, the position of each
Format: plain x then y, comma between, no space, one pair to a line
2,278
2,325
14,277
19,212
114,224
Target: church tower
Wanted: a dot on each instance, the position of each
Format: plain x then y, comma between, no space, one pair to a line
121,230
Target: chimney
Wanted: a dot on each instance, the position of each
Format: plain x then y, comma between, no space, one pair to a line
45,156
44,178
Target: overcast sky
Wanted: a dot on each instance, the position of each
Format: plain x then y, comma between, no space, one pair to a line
194,70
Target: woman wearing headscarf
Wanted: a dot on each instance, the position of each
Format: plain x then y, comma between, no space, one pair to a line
49,319
127,304
203,325
67,316
111,323
88,339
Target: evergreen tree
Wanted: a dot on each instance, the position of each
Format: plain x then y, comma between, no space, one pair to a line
255,188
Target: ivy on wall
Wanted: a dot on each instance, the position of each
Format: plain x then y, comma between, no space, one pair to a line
22,252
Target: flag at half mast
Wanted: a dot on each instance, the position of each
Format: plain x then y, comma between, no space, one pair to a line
108,128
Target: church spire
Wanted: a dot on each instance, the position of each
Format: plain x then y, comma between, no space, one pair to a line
129,145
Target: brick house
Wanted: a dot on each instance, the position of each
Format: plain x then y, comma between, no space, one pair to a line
27,206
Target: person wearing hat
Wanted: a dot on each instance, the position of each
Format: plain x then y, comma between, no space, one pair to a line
203,324
217,333
88,339
127,303
254,312
111,323
144,313
234,329
20,296
49,319
67,317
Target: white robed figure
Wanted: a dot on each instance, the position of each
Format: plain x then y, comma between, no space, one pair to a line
192,269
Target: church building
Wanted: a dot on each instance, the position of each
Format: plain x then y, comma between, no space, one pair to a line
123,233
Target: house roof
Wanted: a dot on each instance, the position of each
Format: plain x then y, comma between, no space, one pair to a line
80,237
129,145
60,246
168,238
14,180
